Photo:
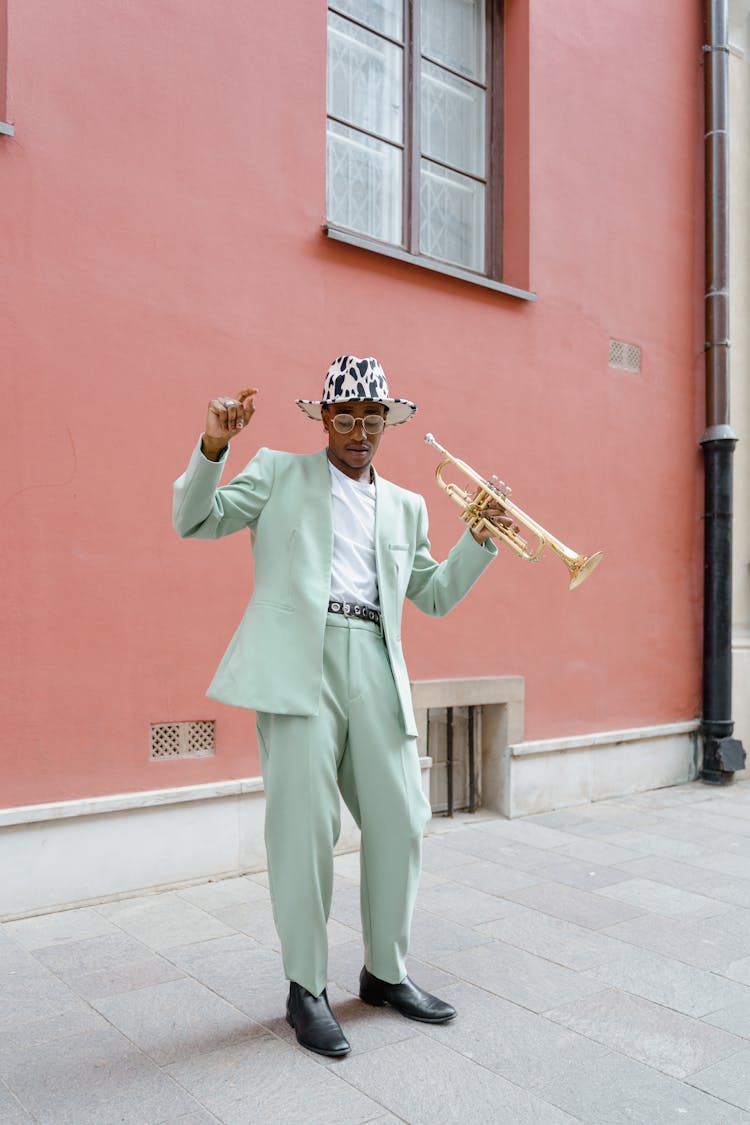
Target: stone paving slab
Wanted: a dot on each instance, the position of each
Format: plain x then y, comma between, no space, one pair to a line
11,1110
251,980
586,908
652,842
177,1019
710,943
66,925
673,872
726,888
607,1088
521,1046
429,1084
675,985
658,898
466,905
492,878
345,908
164,920
274,1083
533,982
563,943
734,1018
109,964
596,850
33,992
598,957
729,1078
732,861
585,874
648,1032
433,933
98,1077
739,970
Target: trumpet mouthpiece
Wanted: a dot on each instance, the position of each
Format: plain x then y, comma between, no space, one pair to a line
430,440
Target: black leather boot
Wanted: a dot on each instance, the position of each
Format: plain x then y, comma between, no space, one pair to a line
407,998
314,1023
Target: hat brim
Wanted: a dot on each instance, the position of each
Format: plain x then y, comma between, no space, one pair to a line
399,409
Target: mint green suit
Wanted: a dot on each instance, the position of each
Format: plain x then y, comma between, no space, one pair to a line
332,695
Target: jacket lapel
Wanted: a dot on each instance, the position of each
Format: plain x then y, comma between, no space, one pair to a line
320,507
384,512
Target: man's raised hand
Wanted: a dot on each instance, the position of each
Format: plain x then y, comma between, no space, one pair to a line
226,418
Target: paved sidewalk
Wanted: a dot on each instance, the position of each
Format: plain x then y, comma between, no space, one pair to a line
599,958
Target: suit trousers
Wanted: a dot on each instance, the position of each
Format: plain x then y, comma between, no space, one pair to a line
356,746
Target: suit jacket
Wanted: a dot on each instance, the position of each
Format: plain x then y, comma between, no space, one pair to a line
274,661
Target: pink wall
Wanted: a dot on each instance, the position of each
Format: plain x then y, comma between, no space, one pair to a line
162,203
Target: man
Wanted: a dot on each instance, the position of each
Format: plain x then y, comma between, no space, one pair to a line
318,657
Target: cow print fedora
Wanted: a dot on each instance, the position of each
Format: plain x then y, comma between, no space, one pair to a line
350,379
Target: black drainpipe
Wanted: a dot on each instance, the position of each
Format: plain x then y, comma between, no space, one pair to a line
722,754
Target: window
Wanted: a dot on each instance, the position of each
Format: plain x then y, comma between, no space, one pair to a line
414,121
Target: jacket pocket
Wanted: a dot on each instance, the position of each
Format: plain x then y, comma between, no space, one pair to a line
274,581
400,560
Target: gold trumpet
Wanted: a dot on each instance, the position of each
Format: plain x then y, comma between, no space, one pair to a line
489,491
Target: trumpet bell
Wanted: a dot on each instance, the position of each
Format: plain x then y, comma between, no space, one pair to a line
582,568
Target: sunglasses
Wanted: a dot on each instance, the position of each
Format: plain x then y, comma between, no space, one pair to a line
371,423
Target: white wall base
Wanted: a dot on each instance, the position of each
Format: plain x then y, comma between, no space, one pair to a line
741,694
73,852
554,773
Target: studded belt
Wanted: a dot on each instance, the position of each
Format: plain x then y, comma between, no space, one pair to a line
351,609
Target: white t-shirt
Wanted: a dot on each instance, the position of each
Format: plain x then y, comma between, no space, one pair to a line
354,575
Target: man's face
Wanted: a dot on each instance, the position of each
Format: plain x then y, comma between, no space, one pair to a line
352,453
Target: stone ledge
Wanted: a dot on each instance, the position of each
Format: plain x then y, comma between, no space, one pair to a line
602,738
119,802
147,798
477,691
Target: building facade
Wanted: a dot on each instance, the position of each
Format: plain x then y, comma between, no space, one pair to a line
504,205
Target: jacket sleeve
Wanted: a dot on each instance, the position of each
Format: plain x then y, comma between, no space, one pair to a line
202,510
436,587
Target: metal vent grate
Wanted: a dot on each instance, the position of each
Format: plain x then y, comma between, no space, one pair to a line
183,740
625,357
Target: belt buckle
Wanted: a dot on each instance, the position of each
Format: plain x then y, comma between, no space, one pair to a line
346,607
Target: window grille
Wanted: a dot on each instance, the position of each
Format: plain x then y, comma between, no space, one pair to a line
453,741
